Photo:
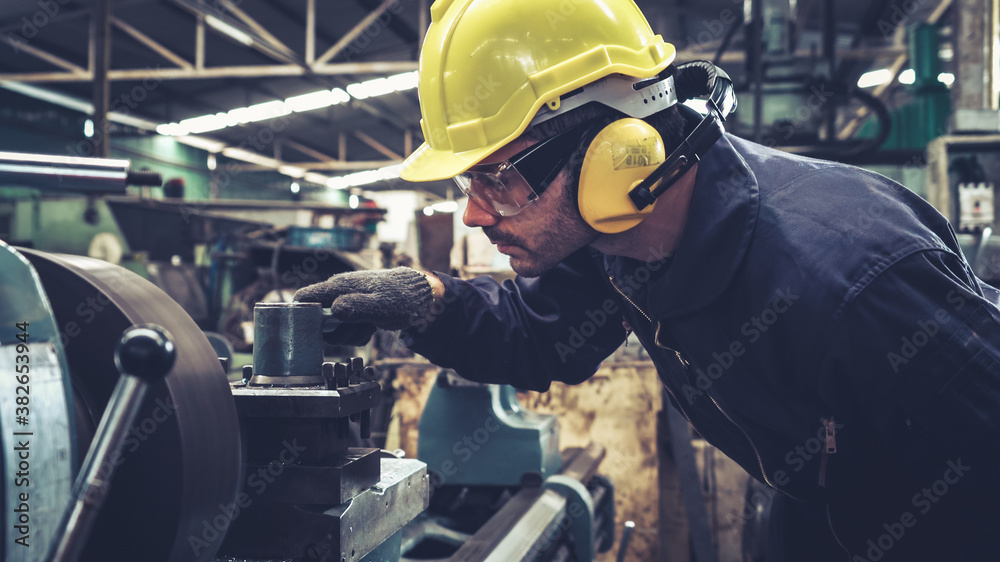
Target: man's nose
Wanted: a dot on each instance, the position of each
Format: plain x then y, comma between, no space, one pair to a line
476,216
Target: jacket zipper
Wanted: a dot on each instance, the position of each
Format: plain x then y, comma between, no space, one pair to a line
650,320
760,461
829,448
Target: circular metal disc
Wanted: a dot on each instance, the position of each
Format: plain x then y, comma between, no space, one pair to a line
180,464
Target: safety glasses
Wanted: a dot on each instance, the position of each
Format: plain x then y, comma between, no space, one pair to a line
506,188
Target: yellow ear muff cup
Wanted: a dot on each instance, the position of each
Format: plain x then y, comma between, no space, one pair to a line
620,157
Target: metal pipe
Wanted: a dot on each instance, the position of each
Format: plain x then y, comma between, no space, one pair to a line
830,54
626,538
68,173
249,71
756,60
100,28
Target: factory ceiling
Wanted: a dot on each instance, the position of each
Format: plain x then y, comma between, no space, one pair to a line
175,60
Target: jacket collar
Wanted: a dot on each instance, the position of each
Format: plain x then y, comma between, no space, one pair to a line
721,221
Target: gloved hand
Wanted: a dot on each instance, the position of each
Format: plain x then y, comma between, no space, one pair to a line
389,299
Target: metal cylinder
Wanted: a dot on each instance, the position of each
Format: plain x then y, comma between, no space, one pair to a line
288,342
68,173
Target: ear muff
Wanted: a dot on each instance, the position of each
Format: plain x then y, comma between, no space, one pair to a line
621,155
626,167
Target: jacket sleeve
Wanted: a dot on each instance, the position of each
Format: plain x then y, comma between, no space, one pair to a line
921,348
527,332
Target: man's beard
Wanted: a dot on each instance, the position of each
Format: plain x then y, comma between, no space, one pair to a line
547,247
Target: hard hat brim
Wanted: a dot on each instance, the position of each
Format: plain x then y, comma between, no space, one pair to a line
427,164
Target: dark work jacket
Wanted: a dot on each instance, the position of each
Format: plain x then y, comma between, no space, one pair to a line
809,304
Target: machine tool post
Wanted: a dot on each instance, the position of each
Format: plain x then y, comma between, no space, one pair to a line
144,356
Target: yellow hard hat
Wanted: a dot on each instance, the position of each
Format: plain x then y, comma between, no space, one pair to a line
488,66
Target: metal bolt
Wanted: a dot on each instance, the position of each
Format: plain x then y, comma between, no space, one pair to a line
328,376
340,373
247,373
357,366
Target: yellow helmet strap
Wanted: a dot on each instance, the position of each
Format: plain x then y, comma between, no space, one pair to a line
626,167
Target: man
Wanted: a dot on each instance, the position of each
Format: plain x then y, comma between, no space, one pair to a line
782,299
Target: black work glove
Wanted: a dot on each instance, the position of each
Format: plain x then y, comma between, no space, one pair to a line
390,299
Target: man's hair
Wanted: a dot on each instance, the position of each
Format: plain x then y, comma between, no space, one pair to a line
669,123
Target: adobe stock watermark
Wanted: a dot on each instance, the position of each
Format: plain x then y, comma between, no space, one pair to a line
796,460
911,344
215,529
463,450
752,330
898,16
223,175
140,431
32,25
784,129
123,104
465,108
371,31
923,501
629,285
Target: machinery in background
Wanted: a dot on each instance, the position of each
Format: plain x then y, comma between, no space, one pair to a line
293,490
502,490
262,468
215,258
961,183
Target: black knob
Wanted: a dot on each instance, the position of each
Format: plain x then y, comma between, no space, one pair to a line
145,351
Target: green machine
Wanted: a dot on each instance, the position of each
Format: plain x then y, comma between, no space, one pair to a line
919,122
501,488
464,421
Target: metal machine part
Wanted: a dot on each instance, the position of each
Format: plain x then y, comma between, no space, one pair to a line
288,343
186,439
68,173
503,492
144,355
308,493
28,320
520,441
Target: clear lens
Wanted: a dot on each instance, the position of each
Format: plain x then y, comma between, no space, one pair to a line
505,191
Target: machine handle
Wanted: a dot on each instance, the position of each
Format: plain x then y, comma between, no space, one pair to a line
144,355
626,538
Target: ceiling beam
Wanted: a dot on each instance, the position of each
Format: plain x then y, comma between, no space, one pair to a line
153,45
81,75
332,166
387,152
198,8
257,27
51,59
351,35
308,151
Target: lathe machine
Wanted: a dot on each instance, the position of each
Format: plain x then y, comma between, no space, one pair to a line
123,439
